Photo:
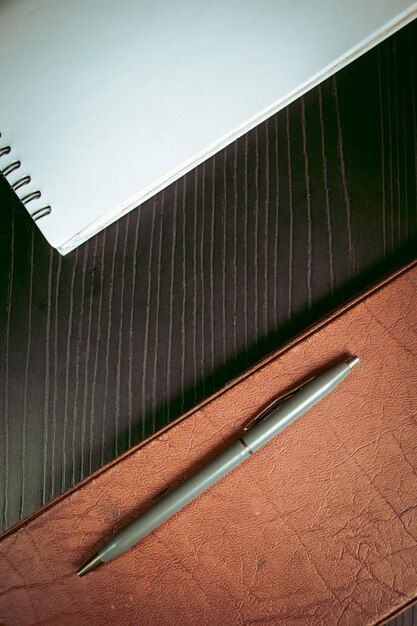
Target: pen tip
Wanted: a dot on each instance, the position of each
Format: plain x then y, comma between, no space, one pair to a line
94,562
352,361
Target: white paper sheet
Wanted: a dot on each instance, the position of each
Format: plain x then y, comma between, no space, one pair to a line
105,102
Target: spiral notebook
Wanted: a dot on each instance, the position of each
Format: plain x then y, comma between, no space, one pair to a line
104,103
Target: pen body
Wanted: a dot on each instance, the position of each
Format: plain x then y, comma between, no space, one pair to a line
253,439
174,501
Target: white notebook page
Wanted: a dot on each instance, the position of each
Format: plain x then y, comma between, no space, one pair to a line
105,102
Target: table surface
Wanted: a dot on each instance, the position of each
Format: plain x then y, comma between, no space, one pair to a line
108,344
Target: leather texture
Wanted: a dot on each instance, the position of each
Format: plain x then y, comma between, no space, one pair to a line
319,527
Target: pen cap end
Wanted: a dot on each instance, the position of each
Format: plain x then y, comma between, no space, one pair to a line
352,361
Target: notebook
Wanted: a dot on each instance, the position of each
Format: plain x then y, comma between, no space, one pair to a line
318,527
105,102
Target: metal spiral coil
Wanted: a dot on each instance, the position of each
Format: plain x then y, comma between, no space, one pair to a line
11,168
24,180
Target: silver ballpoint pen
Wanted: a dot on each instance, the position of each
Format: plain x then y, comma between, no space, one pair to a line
277,416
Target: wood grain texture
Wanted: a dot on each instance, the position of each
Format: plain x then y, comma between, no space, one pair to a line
407,618
104,346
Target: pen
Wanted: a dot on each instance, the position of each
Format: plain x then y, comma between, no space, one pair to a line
272,420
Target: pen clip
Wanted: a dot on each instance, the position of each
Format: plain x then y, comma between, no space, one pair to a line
266,411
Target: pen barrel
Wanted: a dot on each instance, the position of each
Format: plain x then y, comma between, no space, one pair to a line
303,400
175,500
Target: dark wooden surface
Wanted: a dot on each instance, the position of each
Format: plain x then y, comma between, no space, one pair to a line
104,346
407,618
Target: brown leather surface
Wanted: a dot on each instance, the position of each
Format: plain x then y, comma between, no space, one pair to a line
319,527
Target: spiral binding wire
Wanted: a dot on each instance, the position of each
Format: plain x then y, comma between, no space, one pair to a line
24,180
